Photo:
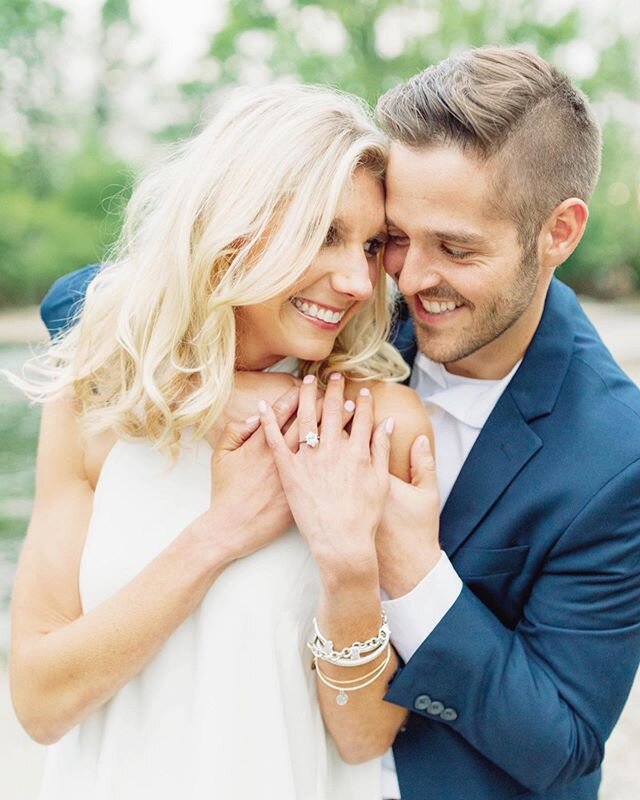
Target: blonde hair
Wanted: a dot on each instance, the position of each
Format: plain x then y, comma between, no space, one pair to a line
511,106
232,217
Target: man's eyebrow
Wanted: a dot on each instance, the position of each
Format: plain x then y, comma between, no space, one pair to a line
460,236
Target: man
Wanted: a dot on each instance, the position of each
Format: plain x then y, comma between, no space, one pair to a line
521,647
520,627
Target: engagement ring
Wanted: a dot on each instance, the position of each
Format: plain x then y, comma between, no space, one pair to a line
312,439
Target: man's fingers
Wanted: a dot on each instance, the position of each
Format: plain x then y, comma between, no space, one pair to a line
423,464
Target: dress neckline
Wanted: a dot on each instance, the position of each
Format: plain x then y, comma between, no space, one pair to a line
289,364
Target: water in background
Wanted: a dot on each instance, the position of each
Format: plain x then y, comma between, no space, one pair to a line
19,424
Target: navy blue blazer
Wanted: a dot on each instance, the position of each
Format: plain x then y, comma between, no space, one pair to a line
517,689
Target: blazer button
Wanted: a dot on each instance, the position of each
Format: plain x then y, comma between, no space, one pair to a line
422,702
436,708
449,715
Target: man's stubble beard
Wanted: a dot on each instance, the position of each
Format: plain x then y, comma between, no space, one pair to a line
502,313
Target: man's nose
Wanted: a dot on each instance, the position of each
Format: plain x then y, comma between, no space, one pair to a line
416,274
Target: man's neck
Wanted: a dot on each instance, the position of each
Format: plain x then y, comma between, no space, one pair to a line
495,360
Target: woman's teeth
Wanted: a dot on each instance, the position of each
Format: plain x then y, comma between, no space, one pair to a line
318,312
435,307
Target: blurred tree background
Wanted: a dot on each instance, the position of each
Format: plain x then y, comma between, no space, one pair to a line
79,114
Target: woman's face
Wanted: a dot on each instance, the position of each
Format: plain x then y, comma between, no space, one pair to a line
305,321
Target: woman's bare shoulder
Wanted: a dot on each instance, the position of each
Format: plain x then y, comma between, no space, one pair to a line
409,414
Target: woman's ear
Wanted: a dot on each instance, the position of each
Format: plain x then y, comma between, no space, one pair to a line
562,232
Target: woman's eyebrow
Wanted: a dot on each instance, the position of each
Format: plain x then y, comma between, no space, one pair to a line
341,228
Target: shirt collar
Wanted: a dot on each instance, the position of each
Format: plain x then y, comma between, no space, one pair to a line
469,400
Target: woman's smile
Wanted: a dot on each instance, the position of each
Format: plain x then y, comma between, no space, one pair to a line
323,316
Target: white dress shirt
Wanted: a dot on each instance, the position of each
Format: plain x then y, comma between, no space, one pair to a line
458,407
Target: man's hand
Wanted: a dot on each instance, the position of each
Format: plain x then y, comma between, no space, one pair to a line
407,540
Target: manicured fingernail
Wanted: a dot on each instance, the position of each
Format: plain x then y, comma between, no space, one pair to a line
423,442
252,420
364,393
335,376
309,378
349,406
388,425
262,406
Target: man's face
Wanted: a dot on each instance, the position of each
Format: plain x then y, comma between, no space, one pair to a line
474,294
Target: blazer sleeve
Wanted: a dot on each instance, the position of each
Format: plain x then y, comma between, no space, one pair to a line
541,700
63,301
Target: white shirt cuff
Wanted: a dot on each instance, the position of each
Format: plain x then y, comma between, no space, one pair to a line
415,615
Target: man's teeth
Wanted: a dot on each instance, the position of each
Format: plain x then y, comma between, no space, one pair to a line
435,307
313,310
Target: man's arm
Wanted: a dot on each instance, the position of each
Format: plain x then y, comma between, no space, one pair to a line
64,300
541,700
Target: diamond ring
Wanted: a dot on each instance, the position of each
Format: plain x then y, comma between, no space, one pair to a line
312,439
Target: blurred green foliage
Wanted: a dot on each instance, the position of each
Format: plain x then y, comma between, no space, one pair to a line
48,228
61,204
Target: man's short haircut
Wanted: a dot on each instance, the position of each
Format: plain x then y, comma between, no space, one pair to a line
508,106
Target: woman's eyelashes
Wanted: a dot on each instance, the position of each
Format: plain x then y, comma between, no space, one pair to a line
332,238
371,247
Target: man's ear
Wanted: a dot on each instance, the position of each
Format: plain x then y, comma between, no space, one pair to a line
562,232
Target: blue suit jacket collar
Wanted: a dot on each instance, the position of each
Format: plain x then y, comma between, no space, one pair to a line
507,442
536,385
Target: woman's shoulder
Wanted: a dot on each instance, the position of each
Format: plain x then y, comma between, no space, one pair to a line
409,414
390,397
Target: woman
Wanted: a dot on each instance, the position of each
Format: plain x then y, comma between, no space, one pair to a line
164,600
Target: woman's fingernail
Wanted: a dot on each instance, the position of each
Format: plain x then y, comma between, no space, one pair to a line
335,376
364,393
389,424
262,406
252,420
309,378
349,406
423,442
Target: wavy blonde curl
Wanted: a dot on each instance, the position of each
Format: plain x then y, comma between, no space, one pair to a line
230,218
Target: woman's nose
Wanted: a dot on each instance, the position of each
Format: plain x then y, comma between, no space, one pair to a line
354,278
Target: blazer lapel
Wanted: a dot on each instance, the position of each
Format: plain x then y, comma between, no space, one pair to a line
504,446
507,441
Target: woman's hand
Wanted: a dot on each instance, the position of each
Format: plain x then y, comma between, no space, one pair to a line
248,507
336,490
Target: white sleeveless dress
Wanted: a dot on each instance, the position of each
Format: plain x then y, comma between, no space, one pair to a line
227,709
